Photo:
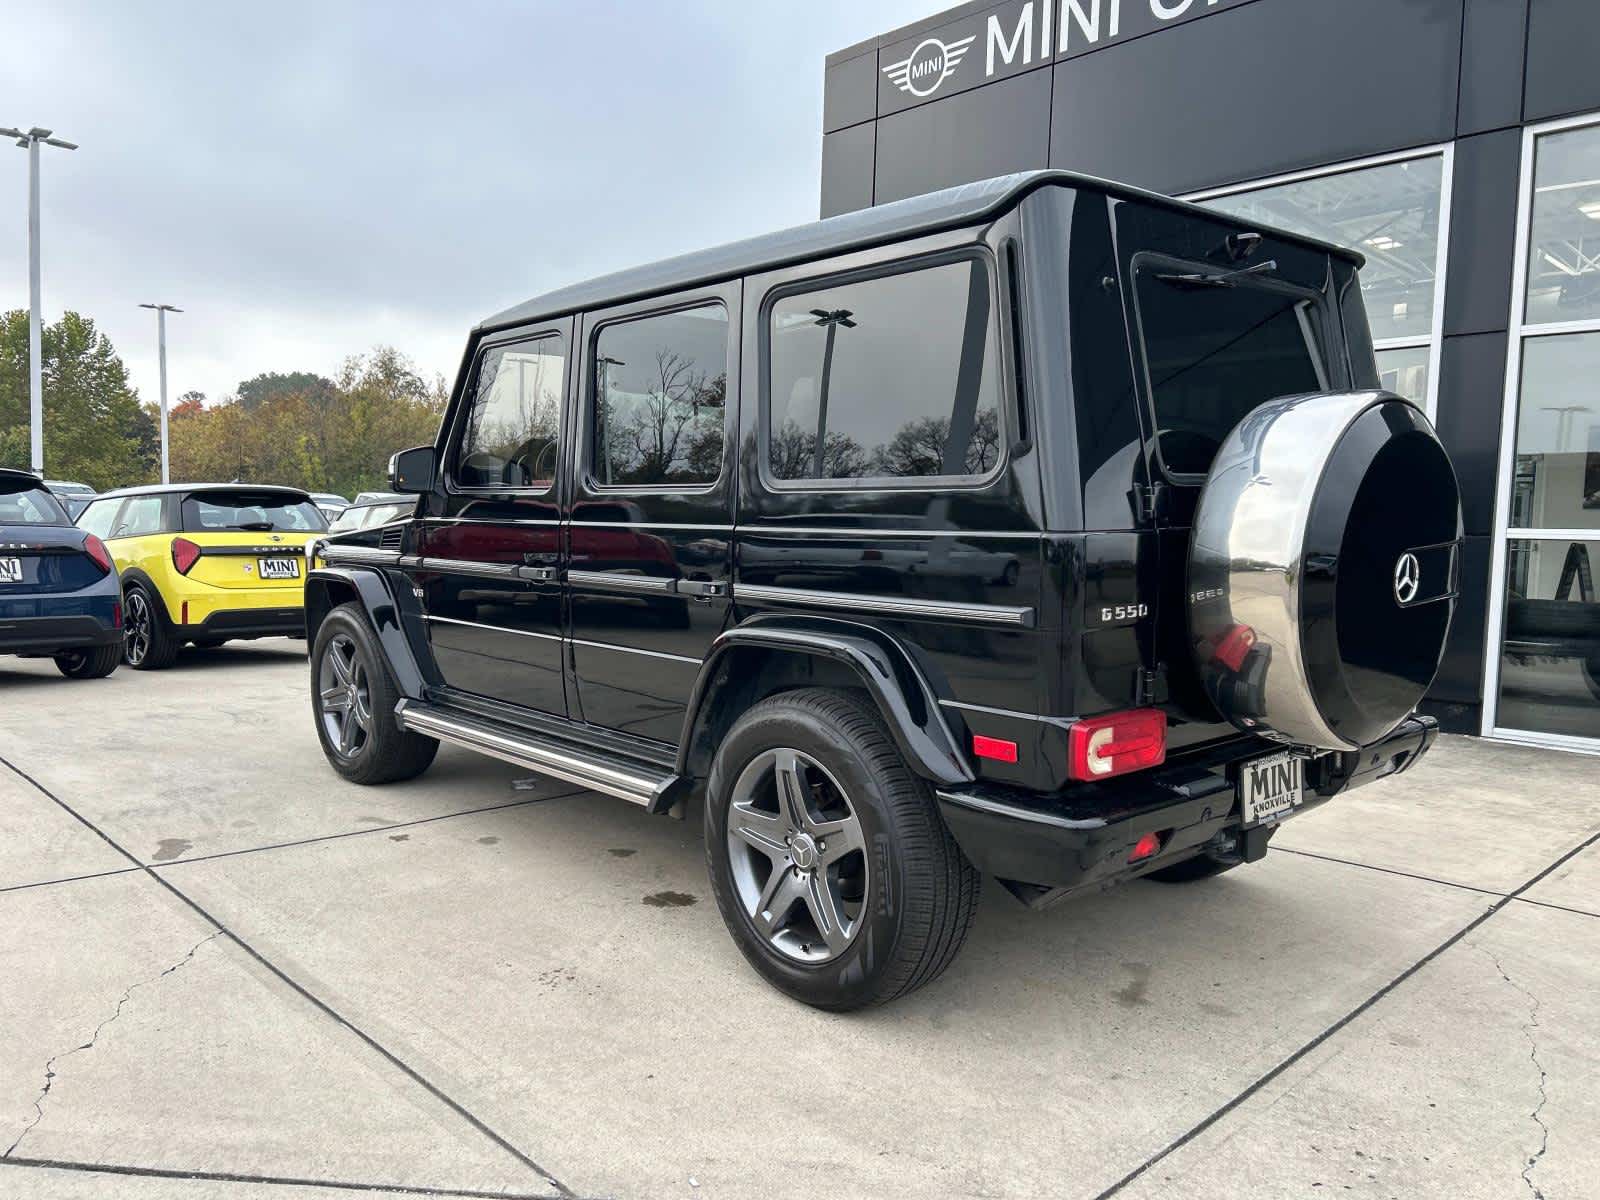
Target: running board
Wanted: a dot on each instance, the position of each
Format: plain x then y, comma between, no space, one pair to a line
653,790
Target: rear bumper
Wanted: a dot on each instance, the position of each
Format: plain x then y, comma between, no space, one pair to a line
249,623
45,635
1080,838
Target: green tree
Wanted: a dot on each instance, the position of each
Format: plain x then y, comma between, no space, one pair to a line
94,429
271,385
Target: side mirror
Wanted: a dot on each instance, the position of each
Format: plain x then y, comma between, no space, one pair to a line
412,470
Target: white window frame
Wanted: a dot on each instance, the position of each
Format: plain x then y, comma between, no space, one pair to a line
1518,332
1446,153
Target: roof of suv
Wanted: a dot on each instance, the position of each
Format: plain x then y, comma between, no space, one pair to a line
16,475
162,489
917,215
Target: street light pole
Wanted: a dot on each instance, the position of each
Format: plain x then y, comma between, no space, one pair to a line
830,321
161,340
30,142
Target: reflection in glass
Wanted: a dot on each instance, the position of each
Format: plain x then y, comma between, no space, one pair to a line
513,430
661,390
1550,659
1389,213
1405,373
1557,478
887,378
1564,249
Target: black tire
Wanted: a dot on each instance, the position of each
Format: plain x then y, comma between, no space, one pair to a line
1201,866
383,753
917,896
148,644
94,663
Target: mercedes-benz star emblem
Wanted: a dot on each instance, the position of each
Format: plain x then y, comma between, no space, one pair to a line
1407,578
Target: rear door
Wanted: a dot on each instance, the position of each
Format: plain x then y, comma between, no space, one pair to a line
652,513
488,565
249,539
1216,334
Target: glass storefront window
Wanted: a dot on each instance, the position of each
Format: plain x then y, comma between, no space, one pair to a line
1388,212
1405,372
1557,480
1550,654
1564,246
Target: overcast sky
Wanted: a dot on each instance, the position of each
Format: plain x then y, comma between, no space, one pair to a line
308,180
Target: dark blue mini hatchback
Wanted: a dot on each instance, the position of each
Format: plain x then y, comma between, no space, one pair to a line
59,593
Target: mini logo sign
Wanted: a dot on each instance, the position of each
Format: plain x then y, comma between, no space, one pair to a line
929,65
1407,578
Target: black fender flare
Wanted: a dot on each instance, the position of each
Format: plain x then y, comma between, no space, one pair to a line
135,575
327,587
908,705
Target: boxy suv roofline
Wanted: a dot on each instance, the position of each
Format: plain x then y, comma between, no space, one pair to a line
915,216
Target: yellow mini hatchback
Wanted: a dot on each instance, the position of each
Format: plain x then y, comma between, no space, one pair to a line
206,563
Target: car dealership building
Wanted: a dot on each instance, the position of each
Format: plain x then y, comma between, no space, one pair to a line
1456,143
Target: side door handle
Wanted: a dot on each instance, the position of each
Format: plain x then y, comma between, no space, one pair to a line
703,589
539,574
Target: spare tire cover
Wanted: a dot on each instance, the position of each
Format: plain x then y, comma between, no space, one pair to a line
1323,567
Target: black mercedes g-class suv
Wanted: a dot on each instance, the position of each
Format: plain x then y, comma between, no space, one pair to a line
1043,527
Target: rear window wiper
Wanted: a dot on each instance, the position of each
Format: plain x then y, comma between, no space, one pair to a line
1200,279
255,526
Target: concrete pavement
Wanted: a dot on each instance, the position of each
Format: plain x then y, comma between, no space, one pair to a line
240,976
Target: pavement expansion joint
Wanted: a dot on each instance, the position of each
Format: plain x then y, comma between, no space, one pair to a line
94,1038
1537,1115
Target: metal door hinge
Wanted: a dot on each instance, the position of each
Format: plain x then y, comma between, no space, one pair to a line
1149,501
1150,685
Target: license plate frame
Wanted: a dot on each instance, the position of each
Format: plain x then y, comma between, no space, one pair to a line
1270,788
277,568
10,569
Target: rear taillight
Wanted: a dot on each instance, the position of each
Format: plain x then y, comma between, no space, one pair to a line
97,552
184,554
1102,747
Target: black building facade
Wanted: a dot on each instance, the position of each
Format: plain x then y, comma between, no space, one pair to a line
1456,143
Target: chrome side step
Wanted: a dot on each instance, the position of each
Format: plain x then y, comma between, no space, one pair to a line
652,790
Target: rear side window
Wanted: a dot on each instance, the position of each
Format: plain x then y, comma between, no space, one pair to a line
255,512
660,396
1216,352
141,515
513,429
29,506
885,379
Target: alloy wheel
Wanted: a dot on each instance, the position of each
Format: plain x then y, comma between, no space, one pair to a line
798,854
139,622
345,694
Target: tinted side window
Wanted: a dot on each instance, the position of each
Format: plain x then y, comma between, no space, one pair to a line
97,518
887,378
513,430
660,395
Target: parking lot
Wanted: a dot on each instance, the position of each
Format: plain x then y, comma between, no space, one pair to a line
227,972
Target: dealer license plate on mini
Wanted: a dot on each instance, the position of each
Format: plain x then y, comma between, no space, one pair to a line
1270,788
10,570
278,568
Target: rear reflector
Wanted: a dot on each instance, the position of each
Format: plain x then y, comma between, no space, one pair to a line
184,554
97,552
1145,847
995,748
184,619
116,615
1102,747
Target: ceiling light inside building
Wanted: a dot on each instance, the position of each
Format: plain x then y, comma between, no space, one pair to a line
1384,242
1590,209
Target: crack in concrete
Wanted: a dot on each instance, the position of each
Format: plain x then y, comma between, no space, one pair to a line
1533,1055
49,1066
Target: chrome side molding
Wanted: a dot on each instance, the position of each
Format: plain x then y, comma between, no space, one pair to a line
890,606
333,553
648,791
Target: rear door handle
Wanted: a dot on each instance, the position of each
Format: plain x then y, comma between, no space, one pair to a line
539,574
701,588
